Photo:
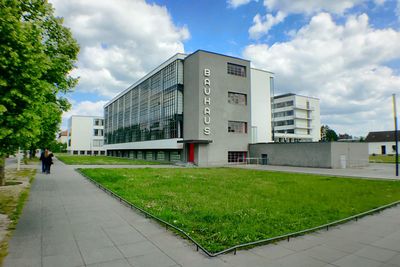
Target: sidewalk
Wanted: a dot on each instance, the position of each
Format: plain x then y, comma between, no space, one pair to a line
70,222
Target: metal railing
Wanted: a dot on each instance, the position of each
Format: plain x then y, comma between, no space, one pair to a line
244,245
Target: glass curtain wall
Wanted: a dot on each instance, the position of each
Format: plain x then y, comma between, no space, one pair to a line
151,110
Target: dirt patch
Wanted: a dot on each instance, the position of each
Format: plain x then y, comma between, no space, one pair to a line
11,202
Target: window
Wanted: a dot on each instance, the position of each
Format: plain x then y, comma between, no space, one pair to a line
283,114
283,123
237,156
237,127
98,132
237,70
237,98
98,143
283,104
99,122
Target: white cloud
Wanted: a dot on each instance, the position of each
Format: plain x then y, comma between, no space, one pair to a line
262,25
120,41
343,65
237,3
311,6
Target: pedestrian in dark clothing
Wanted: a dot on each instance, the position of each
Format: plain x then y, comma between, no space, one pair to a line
48,159
43,162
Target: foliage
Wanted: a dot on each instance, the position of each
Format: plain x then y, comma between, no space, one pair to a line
36,55
104,160
222,207
327,134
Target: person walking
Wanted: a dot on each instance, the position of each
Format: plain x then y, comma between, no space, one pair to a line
48,158
42,158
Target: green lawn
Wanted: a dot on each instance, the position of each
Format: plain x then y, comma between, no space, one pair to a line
382,159
222,207
103,160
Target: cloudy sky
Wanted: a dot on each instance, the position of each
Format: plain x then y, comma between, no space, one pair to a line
344,52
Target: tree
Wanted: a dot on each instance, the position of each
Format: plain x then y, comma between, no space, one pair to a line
37,54
327,134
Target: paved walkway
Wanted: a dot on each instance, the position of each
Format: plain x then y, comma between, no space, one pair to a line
70,222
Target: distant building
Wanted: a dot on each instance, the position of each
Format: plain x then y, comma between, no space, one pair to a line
85,135
296,118
381,143
63,137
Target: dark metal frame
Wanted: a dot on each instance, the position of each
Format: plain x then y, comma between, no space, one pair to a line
244,245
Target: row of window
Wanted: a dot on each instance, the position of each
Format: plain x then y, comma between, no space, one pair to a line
291,131
88,152
159,155
282,114
283,104
237,156
283,123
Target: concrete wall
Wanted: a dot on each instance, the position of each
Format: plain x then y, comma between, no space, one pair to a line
356,154
318,155
294,154
215,153
376,148
260,106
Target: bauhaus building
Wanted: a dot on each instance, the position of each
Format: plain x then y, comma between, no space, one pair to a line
203,108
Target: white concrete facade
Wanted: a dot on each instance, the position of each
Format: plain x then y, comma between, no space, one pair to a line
260,103
382,148
85,135
296,118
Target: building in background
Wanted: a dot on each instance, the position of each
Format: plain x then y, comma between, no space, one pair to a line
63,137
296,118
85,135
381,143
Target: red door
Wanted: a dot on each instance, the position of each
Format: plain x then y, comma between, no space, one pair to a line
191,152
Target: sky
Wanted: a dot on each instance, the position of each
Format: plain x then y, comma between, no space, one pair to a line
344,52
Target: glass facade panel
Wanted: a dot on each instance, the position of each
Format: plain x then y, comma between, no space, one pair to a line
152,110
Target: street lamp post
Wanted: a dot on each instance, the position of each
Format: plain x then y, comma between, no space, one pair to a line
396,137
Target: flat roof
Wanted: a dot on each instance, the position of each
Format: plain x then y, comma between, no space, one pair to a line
219,54
292,94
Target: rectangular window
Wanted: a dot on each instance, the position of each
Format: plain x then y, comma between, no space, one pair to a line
237,127
237,98
98,132
283,123
98,143
283,114
237,70
283,104
237,156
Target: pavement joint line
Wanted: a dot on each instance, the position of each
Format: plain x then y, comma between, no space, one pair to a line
115,245
129,223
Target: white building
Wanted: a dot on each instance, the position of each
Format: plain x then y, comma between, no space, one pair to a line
85,135
381,143
262,84
296,118
63,137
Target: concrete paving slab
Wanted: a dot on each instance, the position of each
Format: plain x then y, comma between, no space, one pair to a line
68,221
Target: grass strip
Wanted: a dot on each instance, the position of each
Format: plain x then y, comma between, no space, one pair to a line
224,207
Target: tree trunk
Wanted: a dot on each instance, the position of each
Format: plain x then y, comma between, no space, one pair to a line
2,170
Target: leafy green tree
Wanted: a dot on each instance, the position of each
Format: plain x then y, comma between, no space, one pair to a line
37,54
327,134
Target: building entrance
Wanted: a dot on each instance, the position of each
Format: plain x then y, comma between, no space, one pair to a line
191,153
